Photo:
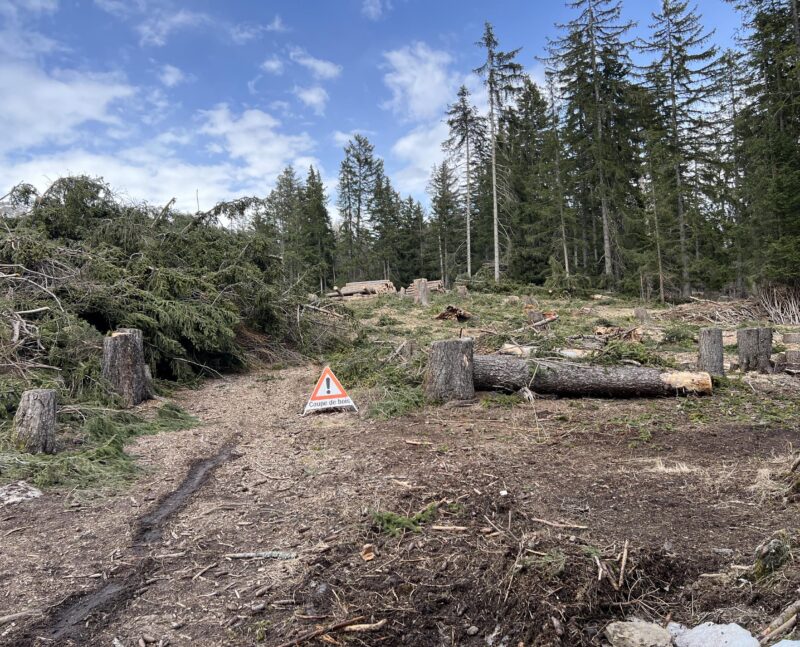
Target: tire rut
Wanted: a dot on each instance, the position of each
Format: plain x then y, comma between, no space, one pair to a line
65,623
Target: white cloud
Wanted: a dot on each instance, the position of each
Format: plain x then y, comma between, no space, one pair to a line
420,81
314,97
418,151
63,102
253,137
320,69
17,41
341,138
148,173
172,76
277,25
155,30
375,9
273,65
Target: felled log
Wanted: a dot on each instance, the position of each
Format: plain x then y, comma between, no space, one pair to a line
449,375
124,366
356,288
710,351
755,348
499,373
35,422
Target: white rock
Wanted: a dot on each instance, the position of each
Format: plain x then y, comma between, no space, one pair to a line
18,492
637,633
711,635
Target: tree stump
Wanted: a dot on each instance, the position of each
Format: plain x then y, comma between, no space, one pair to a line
641,314
124,367
35,422
791,337
755,348
462,291
534,316
449,374
422,295
710,353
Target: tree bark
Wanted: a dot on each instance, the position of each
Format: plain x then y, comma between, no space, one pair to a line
35,422
496,372
710,353
449,374
124,366
422,295
755,348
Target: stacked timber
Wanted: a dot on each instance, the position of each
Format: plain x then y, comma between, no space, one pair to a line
433,286
362,289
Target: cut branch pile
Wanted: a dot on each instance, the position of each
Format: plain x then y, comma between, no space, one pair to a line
728,313
782,303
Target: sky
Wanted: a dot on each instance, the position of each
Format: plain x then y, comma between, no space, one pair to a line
207,100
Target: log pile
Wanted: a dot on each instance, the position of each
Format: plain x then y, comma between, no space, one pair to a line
362,289
433,286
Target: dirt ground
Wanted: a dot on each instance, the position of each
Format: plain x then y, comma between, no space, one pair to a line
552,519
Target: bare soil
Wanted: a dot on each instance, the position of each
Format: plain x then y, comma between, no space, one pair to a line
552,519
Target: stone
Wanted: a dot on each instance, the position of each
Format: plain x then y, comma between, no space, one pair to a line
707,634
472,631
637,633
17,493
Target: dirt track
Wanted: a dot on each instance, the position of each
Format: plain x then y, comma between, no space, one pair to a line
689,500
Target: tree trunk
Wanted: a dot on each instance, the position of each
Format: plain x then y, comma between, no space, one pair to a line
449,375
35,422
496,372
469,215
755,348
710,352
124,367
422,295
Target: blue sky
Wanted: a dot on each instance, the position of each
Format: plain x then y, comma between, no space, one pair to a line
210,100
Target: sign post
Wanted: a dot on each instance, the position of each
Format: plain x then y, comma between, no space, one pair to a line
329,394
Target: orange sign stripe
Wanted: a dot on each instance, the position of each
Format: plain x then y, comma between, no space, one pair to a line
316,396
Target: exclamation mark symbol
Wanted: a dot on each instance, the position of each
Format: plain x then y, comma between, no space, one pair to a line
328,385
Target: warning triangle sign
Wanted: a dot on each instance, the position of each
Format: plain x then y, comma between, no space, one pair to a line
328,394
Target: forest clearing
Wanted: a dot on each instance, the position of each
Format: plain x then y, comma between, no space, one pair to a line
502,521
359,324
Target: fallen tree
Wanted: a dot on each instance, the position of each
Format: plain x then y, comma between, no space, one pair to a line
504,373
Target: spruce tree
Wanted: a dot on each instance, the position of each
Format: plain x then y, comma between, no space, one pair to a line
592,62
359,173
445,218
466,141
682,76
317,233
502,76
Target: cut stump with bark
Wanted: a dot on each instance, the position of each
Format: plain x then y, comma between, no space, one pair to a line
422,294
641,314
755,348
502,373
710,357
449,374
35,422
124,366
